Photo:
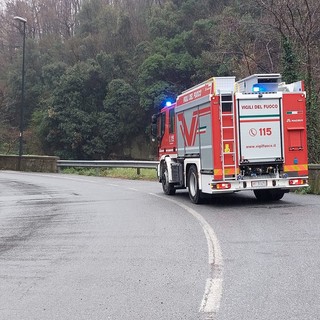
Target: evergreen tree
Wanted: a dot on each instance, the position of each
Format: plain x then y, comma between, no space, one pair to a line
289,61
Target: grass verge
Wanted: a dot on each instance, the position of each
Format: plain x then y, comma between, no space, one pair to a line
124,173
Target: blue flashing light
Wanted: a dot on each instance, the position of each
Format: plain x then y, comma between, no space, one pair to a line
256,88
168,103
265,87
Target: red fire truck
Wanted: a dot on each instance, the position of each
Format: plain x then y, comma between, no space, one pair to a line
223,136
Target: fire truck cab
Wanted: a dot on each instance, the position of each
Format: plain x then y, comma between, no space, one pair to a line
225,136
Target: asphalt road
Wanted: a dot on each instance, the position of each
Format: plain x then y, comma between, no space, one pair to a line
75,247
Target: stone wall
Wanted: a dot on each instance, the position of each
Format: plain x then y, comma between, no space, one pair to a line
29,163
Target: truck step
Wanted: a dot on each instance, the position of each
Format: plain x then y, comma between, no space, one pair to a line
230,152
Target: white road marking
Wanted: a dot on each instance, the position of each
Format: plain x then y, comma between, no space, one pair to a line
212,296
113,185
132,189
210,303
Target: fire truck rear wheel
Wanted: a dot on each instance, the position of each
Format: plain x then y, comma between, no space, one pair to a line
193,185
269,195
168,188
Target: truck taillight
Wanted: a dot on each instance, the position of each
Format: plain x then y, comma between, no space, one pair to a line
221,185
297,182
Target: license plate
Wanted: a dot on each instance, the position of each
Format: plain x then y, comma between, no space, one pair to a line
260,183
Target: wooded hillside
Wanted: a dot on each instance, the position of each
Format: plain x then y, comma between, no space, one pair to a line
96,70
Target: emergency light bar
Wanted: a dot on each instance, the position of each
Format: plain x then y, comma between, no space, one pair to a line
264,87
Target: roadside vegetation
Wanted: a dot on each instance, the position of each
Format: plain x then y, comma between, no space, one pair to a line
96,70
123,173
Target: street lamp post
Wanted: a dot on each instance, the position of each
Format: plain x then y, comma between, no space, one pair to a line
24,21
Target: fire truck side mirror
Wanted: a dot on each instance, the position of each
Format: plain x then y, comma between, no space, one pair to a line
154,129
154,118
154,125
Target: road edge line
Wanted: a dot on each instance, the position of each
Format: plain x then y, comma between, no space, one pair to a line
210,303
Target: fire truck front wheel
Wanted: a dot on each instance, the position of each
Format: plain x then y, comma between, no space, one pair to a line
193,185
168,188
269,195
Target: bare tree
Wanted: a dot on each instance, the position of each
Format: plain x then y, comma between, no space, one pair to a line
46,16
298,22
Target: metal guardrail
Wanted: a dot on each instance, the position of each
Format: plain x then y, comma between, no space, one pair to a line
314,169
107,164
123,164
314,166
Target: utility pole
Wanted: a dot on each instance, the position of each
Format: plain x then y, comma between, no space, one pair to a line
24,21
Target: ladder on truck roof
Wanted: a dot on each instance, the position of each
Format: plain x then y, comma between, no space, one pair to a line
228,135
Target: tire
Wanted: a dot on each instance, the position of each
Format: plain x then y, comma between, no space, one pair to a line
193,185
269,195
168,188
277,194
